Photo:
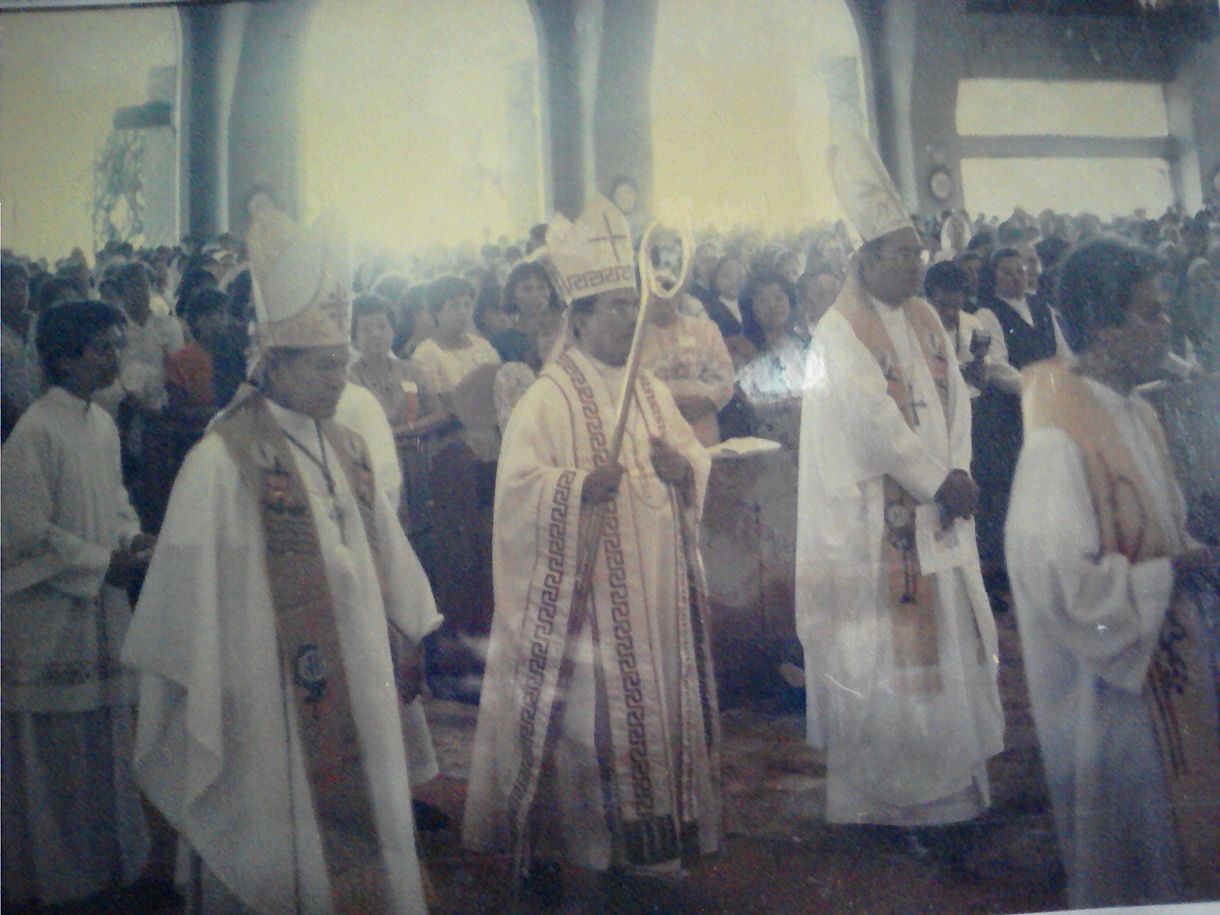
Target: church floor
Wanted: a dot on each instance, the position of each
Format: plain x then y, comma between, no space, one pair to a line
779,856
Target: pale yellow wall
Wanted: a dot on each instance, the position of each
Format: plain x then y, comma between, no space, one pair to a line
740,111
403,126
62,75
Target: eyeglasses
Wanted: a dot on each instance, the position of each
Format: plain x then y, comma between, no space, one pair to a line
620,307
908,255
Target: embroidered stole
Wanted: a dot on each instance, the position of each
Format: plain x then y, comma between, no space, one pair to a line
309,644
912,595
650,797
1179,688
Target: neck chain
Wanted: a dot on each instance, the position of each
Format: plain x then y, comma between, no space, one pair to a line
336,510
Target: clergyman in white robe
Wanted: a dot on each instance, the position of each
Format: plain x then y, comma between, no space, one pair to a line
73,825
640,686
217,749
1089,626
895,755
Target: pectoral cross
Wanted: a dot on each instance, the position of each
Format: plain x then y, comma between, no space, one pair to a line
916,405
339,516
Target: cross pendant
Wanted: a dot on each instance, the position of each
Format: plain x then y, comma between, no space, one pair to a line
339,516
916,405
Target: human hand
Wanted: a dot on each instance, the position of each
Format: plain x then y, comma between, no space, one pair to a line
672,467
409,672
602,484
1196,570
143,543
975,373
125,564
958,494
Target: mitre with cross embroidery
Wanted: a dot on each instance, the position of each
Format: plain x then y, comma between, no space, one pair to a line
593,254
302,279
866,193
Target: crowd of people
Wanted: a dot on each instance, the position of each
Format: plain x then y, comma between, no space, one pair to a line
272,455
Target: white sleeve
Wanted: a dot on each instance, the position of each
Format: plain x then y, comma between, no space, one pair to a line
845,390
35,549
1106,609
1000,371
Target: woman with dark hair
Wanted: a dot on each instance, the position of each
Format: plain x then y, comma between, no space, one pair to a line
530,295
1022,331
377,368
189,370
192,280
725,310
452,352
1110,589
415,322
452,531
772,382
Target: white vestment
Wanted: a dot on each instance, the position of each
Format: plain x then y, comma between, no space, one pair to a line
218,750
546,456
1089,627
361,411
72,817
894,755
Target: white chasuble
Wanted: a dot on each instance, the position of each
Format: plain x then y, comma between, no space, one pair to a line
625,689
898,751
217,748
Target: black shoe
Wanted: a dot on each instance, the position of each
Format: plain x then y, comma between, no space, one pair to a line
544,883
428,818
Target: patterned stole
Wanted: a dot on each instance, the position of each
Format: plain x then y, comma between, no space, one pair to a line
912,595
650,797
1179,689
309,644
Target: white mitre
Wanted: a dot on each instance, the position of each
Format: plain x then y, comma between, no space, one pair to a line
302,279
593,254
866,193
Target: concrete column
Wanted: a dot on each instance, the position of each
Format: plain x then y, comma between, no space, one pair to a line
199,123
622,116
563,114
1204,70
901,34
262,123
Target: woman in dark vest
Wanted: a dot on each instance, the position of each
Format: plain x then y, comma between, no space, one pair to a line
1023,331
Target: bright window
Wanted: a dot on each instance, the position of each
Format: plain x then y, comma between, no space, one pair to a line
62,75
1107,187
995,107
740,109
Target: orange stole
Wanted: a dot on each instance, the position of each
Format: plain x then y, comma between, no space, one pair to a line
310,661
1178,690
912,594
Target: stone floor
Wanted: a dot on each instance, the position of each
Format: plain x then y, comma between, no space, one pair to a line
779,855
